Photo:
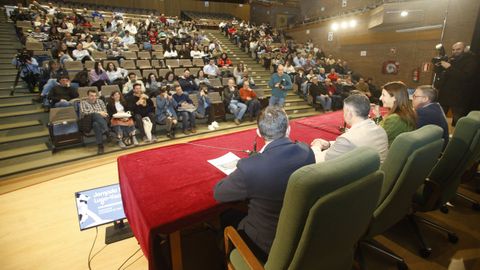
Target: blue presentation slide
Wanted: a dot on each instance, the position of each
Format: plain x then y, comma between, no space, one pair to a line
99,206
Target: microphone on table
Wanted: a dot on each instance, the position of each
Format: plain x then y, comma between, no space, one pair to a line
254,151
343,128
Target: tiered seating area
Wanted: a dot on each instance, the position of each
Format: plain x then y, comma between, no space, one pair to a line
26,146
206,20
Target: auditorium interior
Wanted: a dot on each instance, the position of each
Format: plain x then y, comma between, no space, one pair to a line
161,178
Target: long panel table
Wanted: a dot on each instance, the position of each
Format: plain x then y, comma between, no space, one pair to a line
169,188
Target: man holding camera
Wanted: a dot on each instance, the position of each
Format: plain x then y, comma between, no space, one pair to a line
456,83
280,84
28,68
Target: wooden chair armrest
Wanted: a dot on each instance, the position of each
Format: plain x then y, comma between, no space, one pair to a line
233,239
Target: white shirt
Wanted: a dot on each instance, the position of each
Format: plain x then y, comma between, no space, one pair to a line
170,54
120,73
211,70
128,40
131,28
79,55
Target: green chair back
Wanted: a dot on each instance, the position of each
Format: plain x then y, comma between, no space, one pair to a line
411,157
462,151
327,207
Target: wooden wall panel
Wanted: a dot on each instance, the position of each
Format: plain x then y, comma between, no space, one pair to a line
175,8
413,49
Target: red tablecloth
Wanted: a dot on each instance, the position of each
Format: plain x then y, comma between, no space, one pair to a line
168,188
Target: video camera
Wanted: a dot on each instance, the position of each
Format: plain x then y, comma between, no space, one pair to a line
442,56
22,56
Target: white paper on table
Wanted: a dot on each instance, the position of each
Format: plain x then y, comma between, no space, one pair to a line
226,163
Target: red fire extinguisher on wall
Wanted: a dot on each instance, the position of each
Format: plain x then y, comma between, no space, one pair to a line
416,75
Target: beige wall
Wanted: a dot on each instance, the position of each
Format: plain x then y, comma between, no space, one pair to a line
412,49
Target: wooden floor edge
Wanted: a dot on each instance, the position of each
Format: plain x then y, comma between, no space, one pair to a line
38,176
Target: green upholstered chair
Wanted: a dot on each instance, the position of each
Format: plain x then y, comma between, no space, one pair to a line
462,151
326,209
410,158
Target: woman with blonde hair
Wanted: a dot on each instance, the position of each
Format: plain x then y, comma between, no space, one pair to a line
401,116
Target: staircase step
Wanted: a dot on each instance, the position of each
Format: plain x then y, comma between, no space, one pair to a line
7,99
20,134
20,124
15,104
21,113
22,151
19,107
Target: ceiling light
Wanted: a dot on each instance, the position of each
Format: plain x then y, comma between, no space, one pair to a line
353,23
344,25
404,13
334,26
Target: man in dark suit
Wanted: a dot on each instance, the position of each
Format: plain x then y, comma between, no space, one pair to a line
429,112
262,179
456,83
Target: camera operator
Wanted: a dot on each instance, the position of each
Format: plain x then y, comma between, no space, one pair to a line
280,83
28,69
456,81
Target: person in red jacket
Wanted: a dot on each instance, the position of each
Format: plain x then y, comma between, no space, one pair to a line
333,76
249,97
224,61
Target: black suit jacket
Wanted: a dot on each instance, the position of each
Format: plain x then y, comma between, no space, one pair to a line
262,179
432,114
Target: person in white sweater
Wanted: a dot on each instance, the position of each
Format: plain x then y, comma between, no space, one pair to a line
116,75
81,54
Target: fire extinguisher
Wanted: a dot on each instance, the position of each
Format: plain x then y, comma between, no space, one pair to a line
416,75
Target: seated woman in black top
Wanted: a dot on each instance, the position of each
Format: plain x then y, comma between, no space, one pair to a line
122,126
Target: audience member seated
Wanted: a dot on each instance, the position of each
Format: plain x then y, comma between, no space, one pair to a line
211,69
320,94
153,85
96,111
201,78
104,45
49,79
120,121
333,76
132,80
204,104
81,54
89,44
363,87
165,112
116,75
233,101
195,53
186,109
334,94
170,52
142,109
401,117
97,76
187,82
128,39
61,53
170,80
429,111
249,97
262,180
224,61
362,132
61,95
238,73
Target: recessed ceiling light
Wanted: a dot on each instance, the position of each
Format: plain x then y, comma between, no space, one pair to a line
404,13
344,25
353,23
334,26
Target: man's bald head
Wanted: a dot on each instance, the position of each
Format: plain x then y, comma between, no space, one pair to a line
458,48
